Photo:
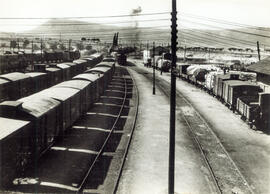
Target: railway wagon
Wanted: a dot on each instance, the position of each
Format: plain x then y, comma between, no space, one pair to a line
9,62
121,59
218,82
234,89
65,70
94,86
85,91
4,89
44,115
242,101
90,62
70,104
39,81
14,144
209,80
97,57
264,101
105,74
54,75
73,68
19,85
182,69
81,65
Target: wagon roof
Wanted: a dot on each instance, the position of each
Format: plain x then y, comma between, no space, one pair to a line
69,64
106,59
222,76
98,69
105,64
10,126
15,76
52,69
37,105
76,84
63,66
87,76
78,61
35,74
97,55
58,93
235,83
3,81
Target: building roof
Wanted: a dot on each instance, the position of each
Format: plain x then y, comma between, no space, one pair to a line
262,66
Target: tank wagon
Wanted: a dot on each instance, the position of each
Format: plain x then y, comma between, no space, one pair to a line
32,124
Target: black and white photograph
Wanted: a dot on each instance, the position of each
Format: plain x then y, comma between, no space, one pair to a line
135,96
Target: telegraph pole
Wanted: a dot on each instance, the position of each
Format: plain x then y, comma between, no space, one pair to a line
172,100
154,67
41,50
258,49
18,44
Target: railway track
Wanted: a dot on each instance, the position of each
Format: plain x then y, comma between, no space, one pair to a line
224,173
92,143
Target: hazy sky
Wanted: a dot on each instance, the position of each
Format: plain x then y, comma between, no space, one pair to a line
252,12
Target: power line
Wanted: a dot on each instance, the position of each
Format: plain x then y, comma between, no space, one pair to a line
223,21
248,33
87,17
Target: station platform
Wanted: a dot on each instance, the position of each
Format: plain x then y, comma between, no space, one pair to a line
146,166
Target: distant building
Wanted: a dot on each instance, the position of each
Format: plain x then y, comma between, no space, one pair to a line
262,68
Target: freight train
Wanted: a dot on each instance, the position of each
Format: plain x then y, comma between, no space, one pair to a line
16,85
31,125
20,61
234,89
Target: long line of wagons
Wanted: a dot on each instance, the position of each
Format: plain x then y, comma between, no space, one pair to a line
16,85
19,61
30,125
237,90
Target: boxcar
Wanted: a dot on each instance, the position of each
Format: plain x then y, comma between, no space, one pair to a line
44,114
65,71
94,85
54,75
73,68
218,82
39,81
81,65
20,84
70,104
243,101
14,145
85,91
4,89
234,89
105,73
